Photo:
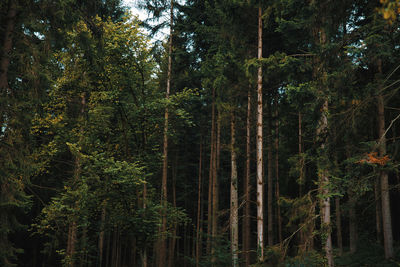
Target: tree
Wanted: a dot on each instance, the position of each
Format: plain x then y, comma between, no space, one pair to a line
234,218
260,183
162,249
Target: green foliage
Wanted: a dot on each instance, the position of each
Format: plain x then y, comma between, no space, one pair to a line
368,254
310,259
222,255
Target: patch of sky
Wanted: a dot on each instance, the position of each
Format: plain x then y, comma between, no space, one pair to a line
143,15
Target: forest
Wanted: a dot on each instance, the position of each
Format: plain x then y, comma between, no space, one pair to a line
213,133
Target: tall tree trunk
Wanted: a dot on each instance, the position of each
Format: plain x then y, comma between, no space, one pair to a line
352,222
162,247
378,210
234,222
7,46
133,252
339,226
108,248
324,189
352,212
277,193
114,249
270,179
260,182
246,190
199,211
320,74
173,237
215,198
101,235
144,248
301,177
194,242
211,174
72,238
385,194
301,158
186,245
72,231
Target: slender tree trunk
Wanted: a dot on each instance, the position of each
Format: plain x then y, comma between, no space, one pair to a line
71,243
114,248
246,190
339,226
301,177
7,46
186,245
215,198
270,179
260,182
118,249
108,248
199,213
194,242
234,222
133,253
144,257
352,222
101,235
301,159
326,221
320,75
144,248
385,194
173,237
162,247
378,210
72,231
277,192
324,183
211,174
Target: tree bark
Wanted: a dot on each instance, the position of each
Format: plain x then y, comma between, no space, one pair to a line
144,248
101,235
301,159
277,192
7,46
247,211
114,249
352,223
71,244
72,231
215,190
234,222
320,75
270,178
378,210
186,244
323,186
162,247
108,249
199,213
301,176
173,237
339,226
211,174
385,194
260,182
